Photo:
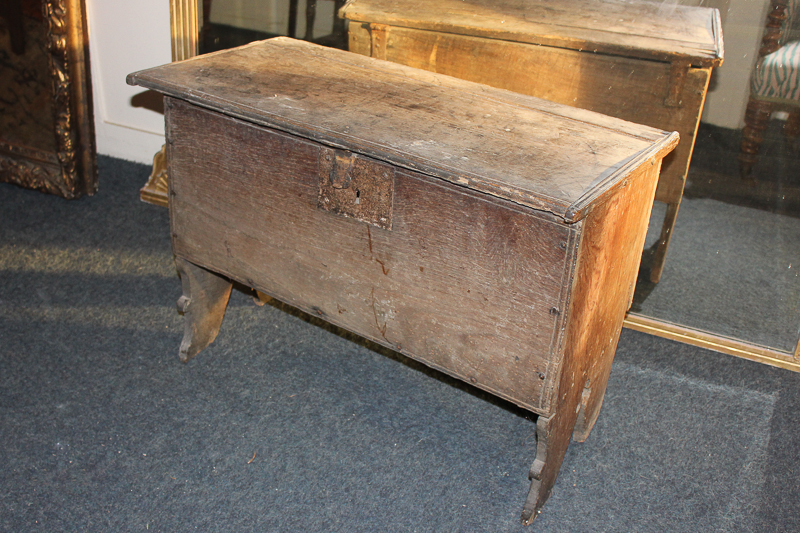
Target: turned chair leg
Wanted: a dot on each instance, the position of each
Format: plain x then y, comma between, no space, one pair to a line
791,128
311,15
756,118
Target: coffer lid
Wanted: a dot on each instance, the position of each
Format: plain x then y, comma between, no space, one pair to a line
661,31
533,152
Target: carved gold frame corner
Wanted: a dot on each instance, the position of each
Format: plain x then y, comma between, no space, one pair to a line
184,18
71,170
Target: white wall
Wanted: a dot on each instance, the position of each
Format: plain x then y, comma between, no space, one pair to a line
125,36
742,27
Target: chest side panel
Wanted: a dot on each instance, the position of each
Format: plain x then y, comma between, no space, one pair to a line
605,278
467,283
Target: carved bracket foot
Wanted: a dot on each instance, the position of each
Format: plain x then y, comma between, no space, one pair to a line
205,297
540,474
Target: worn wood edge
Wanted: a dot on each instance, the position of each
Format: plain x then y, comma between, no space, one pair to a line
412,162
655,154
699,55
711,341
570,213
404,160
548,398
139,76
716,26
665,194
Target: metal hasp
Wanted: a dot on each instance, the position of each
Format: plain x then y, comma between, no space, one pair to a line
355,186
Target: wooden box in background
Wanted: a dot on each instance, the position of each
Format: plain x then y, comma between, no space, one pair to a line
491,235
646,62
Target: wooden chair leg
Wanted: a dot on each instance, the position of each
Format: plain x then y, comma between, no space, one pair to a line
792,126
205,297
291,31
667,228
311,15
756,118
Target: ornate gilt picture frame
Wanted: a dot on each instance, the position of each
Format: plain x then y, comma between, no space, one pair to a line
46,123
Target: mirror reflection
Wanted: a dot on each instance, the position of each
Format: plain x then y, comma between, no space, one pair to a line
230,23
733,260
732,268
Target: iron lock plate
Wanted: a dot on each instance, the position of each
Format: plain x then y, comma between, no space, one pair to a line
356,186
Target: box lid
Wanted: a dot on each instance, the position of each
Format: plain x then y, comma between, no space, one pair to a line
524,149
632,28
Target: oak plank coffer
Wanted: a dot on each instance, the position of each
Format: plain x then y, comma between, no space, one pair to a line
643,61
491,235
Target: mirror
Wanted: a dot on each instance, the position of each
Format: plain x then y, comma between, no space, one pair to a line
230,23
731,273
730,280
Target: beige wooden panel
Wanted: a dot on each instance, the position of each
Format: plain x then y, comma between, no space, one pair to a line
651,30
610,252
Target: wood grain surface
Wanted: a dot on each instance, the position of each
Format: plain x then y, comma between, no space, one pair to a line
647,30
465,282
608,259
600,55
610,252
530,151
490,235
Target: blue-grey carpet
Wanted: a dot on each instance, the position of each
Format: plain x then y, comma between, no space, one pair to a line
731,270
286,425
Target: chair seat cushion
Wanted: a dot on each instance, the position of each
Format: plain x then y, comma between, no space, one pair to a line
778,75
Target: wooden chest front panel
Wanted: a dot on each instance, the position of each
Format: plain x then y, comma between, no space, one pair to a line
636,90
467,283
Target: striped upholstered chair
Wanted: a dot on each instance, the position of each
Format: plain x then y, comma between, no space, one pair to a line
775,84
